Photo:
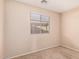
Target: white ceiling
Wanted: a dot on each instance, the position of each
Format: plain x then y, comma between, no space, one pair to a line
55,5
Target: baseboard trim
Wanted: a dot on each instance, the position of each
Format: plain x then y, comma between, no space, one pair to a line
33,51
74,49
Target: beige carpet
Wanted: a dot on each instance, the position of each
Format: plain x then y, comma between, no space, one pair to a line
53,53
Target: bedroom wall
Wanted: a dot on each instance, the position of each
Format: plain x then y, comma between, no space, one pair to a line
1,27
70,29
18,39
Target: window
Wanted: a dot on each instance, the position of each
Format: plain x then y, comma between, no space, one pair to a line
39,23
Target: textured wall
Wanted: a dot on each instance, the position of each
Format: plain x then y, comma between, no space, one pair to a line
1,27
18,38
70,29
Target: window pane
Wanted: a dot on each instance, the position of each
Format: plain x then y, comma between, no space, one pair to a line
44,18
35,17
35,28
44,28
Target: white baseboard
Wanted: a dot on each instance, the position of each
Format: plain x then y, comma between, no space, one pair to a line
77,50
66,46
33,51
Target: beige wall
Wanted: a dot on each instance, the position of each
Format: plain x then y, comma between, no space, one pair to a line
70,29
18,38
1,27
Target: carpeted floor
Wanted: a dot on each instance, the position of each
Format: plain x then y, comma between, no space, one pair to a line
53,53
